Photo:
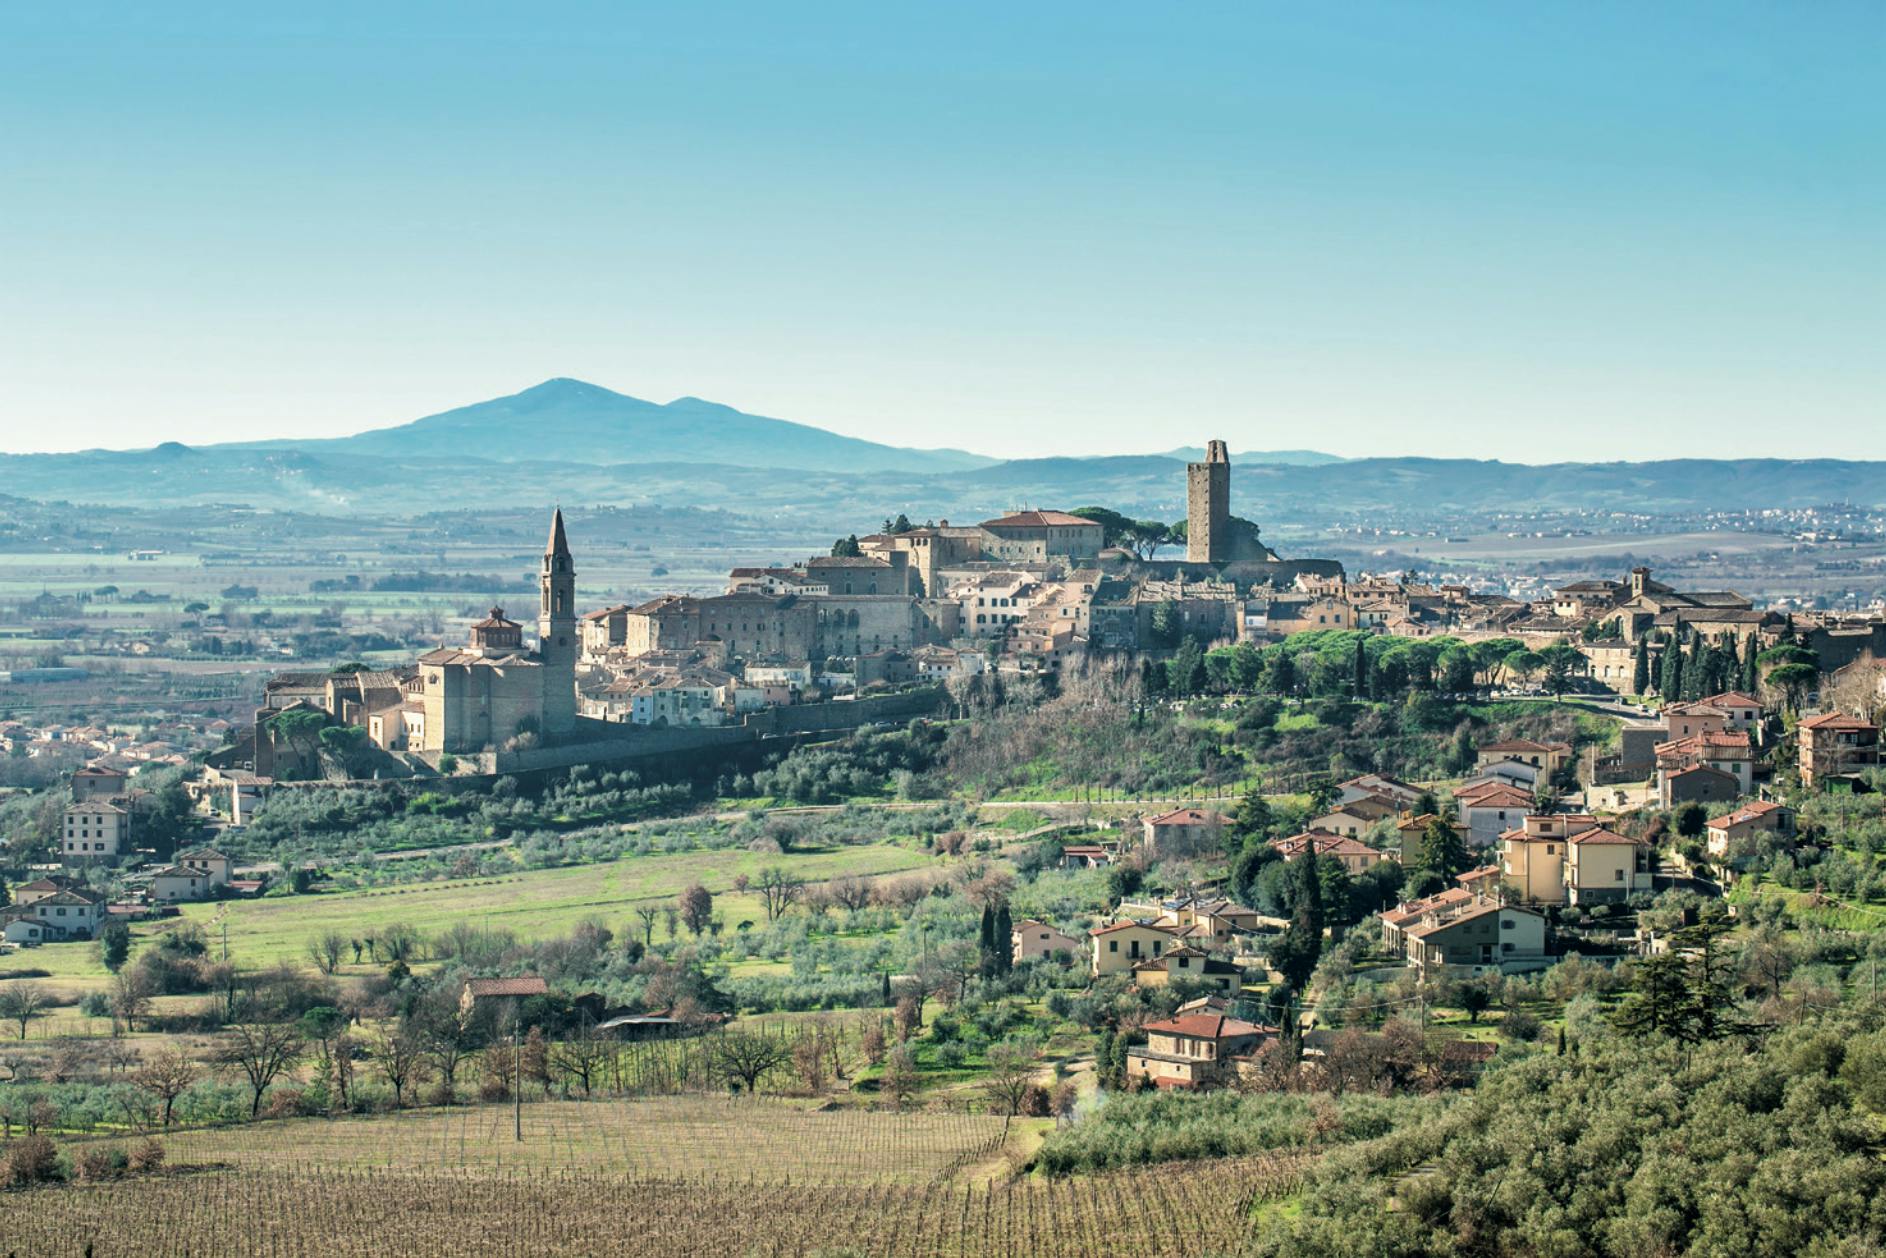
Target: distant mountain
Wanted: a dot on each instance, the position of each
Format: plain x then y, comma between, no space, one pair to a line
575,422
1286,458
579,444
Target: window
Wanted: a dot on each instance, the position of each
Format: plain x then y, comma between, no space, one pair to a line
1507,924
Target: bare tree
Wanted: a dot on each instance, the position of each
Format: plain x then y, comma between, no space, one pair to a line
899,1080
167,1075
1011,1072
779,889
131,998
400,1056
22,1002
326,950
849,893
582,1056
260,1051
447,1037
744,1057
649,915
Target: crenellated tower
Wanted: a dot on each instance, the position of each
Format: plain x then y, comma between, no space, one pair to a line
556,631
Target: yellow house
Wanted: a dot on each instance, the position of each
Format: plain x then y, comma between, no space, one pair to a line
1602,866
1030,940
1532,857
1185,964
1117,948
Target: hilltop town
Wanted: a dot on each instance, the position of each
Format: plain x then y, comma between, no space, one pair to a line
977,838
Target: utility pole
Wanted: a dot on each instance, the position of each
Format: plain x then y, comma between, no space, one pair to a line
517,1073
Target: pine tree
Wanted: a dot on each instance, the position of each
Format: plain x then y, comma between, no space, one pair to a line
1442,850
1640,668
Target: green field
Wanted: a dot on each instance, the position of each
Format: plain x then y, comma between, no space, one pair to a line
532,904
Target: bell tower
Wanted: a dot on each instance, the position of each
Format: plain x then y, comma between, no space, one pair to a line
556,631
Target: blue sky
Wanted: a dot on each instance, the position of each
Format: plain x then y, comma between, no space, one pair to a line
1529,231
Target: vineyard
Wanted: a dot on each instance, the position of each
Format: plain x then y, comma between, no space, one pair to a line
1179,1211
682,1136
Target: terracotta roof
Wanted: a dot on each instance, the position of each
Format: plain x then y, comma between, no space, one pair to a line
1835,720
524,985
1108,930
1470,915
1325,844
1205,1026
1745,814
494,619
1189,817
1602,837
1505,796
1039,519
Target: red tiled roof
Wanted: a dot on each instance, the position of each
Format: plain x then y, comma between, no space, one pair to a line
1744,814
1835,720
1189,817
524,985
1205,1026
1107,930
1602,836
1325,844
1038,519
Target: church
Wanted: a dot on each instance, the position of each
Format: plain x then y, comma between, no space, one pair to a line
494,688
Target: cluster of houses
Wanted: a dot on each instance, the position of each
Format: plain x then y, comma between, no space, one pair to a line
58,908
1536,858
167,745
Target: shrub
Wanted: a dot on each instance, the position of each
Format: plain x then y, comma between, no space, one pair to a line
146,1157
1036,1103
98,1162
30,1160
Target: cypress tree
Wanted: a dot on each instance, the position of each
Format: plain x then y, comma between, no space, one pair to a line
1361,679
1751,673
1640,669
1670,686
1004,932
985,940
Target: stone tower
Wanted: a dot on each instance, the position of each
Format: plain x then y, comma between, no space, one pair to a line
556,631
1208,507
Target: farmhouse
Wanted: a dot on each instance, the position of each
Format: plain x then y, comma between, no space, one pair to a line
1030,940
1194,1050
1185,830
1117,948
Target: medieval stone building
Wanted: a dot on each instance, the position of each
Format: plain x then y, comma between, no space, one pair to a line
494,688
1208,506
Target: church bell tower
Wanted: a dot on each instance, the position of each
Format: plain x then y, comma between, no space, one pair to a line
556,631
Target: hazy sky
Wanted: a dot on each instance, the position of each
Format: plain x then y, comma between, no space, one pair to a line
1525,230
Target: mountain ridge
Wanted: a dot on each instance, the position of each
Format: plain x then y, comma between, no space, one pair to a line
587,423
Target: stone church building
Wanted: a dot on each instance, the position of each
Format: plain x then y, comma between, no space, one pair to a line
494,688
